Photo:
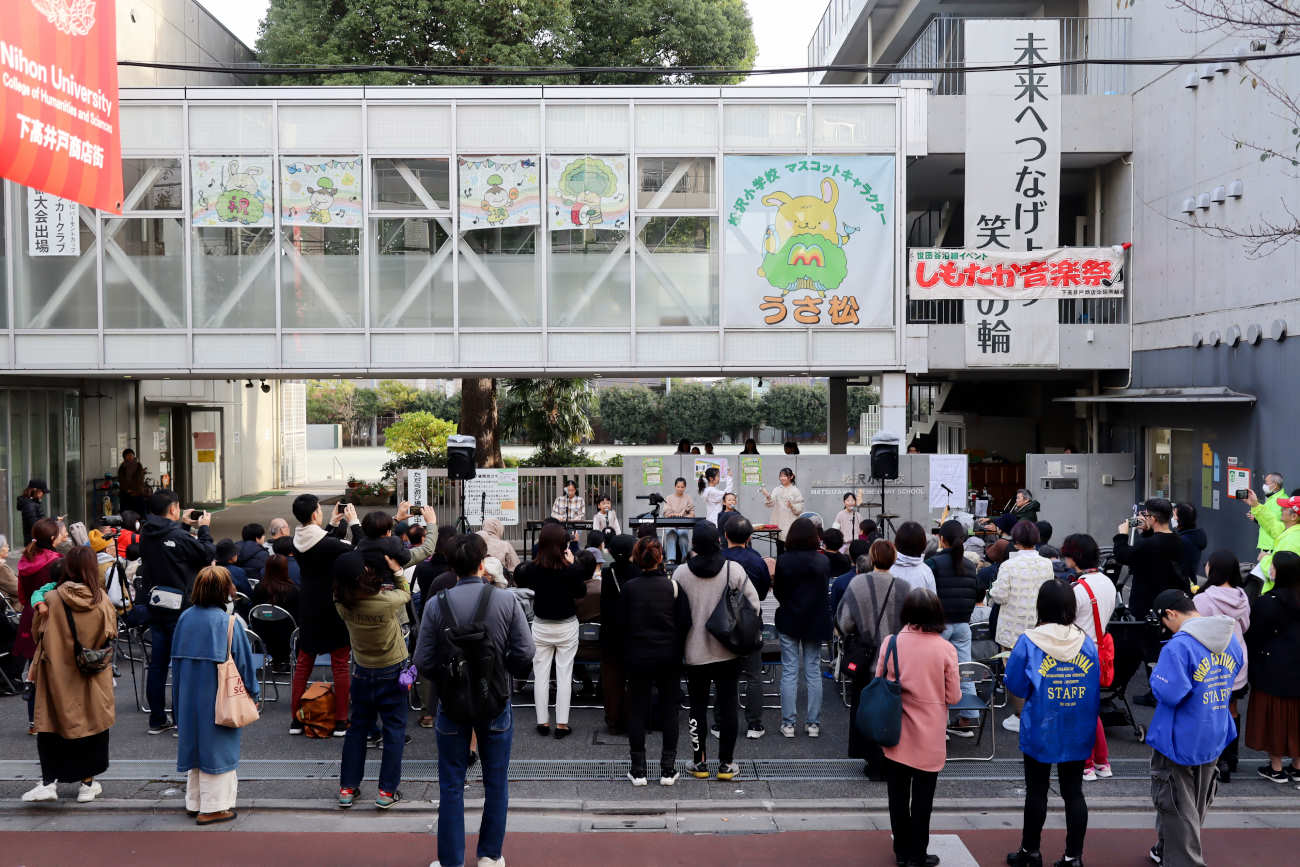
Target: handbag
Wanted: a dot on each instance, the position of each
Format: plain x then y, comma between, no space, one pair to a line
735,623
235,708
860,652
880,708
1105,642
90,661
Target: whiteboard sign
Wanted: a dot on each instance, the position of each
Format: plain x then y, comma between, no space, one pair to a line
492,494
417,488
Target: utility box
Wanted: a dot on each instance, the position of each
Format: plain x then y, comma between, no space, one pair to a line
1082,493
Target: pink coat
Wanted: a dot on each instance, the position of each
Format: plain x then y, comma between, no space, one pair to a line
927,665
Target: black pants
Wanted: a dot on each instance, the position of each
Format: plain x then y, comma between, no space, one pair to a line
911,797
639,686
1037,778
698,679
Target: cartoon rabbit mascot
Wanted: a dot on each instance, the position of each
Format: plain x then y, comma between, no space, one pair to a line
803,248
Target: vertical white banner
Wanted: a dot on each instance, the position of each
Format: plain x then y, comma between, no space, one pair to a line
53,227
417,487
1013,178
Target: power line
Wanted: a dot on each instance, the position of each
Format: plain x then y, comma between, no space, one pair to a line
698,71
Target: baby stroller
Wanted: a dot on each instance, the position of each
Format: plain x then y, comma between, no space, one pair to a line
1130,636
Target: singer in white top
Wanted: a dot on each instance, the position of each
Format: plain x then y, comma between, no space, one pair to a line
712,489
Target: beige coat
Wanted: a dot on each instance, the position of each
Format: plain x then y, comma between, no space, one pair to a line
68,703
786,503
498,547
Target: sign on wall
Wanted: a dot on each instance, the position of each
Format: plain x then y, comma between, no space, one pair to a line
417,489
231,191
809,241
321,191
587,192
499,191
492,494
58,107
53,225
1066,272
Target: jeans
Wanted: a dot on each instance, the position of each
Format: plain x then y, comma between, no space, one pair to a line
340,658
958,635
698,679
677,544
1038,777
376,695
806,657
911,798
639,684
453,758
558,640
160,659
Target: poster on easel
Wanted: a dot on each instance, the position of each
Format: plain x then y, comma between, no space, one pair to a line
492,494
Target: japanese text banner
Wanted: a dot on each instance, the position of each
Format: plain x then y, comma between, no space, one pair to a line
59,117
1066,272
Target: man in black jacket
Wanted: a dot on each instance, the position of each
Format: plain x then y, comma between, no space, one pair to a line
320,629
1154,559
170,558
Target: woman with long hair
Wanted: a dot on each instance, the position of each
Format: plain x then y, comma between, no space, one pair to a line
35,570
557,583
786,503
277,588
74,709
678,504
712,489
206,752
803,622
1221,593
1273,719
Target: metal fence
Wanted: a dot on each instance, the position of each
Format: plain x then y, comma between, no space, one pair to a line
942,44
1070,311
538,488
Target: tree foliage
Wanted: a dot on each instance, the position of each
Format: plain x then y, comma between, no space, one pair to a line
630,414
548,413
439,404
419,433
796,409
331,402
688,412
394,396
736,413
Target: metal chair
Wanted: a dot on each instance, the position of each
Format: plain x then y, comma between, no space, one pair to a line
984,649
981,677
270,616
261,667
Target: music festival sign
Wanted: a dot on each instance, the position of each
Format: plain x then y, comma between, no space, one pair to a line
59,117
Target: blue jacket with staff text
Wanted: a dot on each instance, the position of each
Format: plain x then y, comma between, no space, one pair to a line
1192,683
1053,667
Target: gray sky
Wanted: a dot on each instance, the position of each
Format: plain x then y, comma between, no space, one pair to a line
781,29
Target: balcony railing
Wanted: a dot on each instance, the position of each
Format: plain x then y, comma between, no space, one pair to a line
942,45
837,13
1070,311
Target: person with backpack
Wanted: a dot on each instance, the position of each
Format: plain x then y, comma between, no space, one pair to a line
957,587
655,618
370,604
473,639
737,533
1094,603
1221,593
704,577
1054,669
320,629
170,558
801,584
870,610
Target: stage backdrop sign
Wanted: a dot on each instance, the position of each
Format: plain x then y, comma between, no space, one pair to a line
809,241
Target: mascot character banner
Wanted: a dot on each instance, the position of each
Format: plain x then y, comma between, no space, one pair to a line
809,241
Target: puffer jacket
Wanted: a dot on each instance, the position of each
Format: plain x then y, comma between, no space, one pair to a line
956,586
251,558
1016,590
31,511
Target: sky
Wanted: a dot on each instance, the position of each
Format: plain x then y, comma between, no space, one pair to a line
782,30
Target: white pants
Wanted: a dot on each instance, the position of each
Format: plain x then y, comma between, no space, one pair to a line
210,793
557,639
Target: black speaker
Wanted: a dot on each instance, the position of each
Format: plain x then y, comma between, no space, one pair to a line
884,460
460,457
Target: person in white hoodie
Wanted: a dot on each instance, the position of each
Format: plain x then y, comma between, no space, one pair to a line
1221,593
1094,603
910,540
1016,590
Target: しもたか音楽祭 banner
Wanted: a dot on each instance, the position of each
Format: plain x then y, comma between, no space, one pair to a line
60,119
498,191
587,192
231,191
809,241
320,191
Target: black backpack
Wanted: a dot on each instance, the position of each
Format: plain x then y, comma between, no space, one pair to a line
471,676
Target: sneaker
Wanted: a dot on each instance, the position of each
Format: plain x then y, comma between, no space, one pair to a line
1104,771
1090,775
787,731
756,731
1292,771
1021,858
1273,776
347,797
374,742
42,792
714,733
295,728
728,771
86,794
492,862
637,778
1011,723
1067,861
1156,854
387,799
963,728
161,728
340,728
813,730
668,778
700,770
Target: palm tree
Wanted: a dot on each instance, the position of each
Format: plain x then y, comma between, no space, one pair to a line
552,414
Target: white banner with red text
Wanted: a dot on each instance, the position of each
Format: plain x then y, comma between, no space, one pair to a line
1066,272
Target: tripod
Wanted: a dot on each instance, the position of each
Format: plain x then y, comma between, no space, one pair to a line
885,525
462,523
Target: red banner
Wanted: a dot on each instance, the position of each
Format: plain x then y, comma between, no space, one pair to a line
59,128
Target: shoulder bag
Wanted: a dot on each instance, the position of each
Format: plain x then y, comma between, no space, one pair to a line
880,709
90,661
1105,641
235,708
860,650
735,623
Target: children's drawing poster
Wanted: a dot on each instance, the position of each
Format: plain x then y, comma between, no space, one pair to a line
587,192
499,191
231,191
321,191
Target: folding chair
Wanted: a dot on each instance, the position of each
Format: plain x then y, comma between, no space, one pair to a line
981,677
261,667
984,649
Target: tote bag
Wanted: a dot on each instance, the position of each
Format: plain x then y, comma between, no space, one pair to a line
234,709
880,709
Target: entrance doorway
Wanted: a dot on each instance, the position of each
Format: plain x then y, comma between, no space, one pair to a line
1173,465
198,455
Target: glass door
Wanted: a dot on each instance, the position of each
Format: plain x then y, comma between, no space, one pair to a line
206,459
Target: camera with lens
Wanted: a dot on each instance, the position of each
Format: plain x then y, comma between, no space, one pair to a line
110,521
1134,521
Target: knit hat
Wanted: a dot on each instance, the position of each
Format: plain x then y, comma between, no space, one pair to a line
98,543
